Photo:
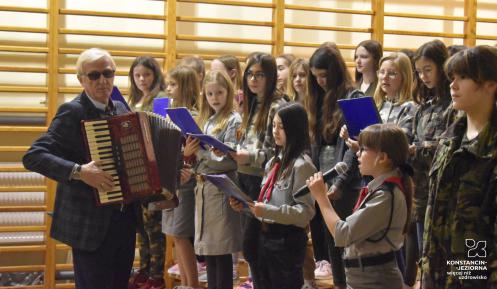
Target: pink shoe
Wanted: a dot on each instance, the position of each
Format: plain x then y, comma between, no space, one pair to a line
173,271
323,270
202,268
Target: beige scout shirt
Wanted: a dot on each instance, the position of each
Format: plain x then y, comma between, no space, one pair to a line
371,221
283,208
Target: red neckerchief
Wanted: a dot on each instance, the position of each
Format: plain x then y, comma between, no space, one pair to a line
364,191
362,195
267,189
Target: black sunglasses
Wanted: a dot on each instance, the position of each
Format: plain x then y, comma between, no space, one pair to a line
95,75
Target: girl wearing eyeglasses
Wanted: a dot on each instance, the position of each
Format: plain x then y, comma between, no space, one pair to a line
393,98
255,137
393,93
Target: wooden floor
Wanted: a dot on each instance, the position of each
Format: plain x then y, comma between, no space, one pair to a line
322,284
242,269
243,273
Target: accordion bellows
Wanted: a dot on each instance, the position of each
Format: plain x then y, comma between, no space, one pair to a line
142,151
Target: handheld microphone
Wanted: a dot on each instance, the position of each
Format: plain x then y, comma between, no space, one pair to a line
339,168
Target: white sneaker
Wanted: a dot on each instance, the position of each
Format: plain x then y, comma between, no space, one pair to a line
174,271
235,274
202,277
323,270
309,284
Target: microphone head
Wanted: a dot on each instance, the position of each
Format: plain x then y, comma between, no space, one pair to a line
341,167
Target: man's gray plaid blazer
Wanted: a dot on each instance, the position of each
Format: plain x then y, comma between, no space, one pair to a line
77,221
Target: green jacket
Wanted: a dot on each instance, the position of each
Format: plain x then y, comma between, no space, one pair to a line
430,122
460,219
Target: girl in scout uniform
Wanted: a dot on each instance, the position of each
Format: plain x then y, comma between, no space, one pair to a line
218,231
376,229
282,217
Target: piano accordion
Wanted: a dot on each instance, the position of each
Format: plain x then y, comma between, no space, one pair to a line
142,152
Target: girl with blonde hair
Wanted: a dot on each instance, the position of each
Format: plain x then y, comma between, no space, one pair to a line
393,95
218,231
231,65
297,84
183,88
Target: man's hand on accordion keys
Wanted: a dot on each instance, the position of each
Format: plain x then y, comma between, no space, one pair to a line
94,176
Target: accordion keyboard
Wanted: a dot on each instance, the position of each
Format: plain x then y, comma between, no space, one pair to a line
141,151
100,146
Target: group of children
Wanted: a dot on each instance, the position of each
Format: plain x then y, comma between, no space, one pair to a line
417,186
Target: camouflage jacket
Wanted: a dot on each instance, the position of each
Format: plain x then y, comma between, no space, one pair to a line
460,224
430,122
399,114
260,145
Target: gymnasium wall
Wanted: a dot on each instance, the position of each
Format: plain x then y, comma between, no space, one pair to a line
41,39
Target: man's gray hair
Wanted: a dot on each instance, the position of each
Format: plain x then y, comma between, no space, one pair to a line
91,55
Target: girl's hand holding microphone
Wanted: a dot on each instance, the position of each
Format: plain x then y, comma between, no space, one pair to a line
317,187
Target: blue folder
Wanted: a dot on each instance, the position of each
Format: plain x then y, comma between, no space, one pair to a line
214,142
184,120
227,186
160,105
359,113
117,96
